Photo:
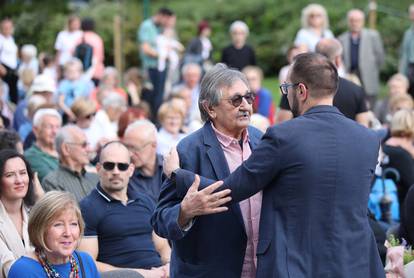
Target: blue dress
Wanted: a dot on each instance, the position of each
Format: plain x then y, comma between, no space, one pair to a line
26,267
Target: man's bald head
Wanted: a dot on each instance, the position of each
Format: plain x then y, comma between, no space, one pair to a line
330,48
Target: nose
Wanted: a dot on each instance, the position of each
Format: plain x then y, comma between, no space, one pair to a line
19,179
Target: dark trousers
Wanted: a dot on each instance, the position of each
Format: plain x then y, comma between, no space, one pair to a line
11,79
158,82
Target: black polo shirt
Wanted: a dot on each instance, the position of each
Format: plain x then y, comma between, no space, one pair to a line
124,231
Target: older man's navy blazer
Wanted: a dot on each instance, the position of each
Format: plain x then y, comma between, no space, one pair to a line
315,173
215,244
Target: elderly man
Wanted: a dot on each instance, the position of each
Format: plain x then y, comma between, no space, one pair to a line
220,245
349,98
315,172
71,175
42,155
141,139
363,53
118,233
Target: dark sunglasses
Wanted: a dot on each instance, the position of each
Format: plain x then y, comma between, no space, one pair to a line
236,100
109,166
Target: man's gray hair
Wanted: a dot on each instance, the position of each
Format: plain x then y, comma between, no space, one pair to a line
41,113
215,80
145,126
65,134
113,100
188,66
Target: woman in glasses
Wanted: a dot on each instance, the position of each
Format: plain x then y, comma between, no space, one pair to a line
315,26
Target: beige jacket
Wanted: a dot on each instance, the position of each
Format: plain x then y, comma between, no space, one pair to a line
11,245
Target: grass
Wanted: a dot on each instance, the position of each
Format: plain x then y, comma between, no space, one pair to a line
272,84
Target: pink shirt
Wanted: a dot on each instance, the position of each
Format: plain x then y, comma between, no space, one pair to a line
250,208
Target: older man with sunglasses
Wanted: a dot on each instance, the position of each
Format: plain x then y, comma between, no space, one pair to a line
118,233
217,245
71,176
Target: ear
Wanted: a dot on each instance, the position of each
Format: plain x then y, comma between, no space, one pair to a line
303,92
98,167
65,149
131,169
36,130
209,110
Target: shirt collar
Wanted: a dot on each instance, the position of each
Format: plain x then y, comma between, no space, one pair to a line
64,168
226,140
109,198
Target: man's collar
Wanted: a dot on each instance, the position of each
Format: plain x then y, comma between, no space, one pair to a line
226,140
67,169
109,198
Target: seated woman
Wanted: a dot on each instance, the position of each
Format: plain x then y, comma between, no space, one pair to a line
16,197
400,151
55,228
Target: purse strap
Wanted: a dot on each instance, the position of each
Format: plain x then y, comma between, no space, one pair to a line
81,264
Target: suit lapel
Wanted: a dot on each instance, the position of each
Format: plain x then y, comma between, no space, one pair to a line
218,162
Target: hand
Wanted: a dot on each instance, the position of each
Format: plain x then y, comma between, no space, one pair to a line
155,272
3,71
202,202
37,187
171,162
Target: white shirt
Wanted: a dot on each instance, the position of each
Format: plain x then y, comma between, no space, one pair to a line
166,140
102,127
8,51
66,43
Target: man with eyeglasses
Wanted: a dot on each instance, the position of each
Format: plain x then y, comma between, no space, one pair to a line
315,172
72,176
140,137
217,245
118,233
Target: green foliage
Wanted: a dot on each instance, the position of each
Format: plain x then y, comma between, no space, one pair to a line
273,24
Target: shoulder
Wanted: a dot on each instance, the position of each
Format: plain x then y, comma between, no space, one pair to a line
191,140
88,264
254,133
343,36
90,201
51,180
26,267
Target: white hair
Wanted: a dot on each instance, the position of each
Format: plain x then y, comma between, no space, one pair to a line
29,50
41,113
238,24
143,126
113,100
314,8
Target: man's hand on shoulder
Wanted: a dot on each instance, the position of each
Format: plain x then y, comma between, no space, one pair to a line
203,202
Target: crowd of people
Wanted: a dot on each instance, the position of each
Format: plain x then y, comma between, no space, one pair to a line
92,185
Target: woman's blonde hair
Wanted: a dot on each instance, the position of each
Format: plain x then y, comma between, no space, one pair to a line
45,211
402,123
311,9
170,106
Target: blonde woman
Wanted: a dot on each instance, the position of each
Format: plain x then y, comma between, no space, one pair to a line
315,26
55,229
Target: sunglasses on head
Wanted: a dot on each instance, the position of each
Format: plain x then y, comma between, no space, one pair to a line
109,166
236,100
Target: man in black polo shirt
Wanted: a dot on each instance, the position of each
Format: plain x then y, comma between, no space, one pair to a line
118,233
349,98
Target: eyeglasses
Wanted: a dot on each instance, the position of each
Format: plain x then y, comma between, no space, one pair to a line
109,166
83,144
236,100
285,87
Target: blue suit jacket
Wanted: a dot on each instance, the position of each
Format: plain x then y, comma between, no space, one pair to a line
315,172
215,244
